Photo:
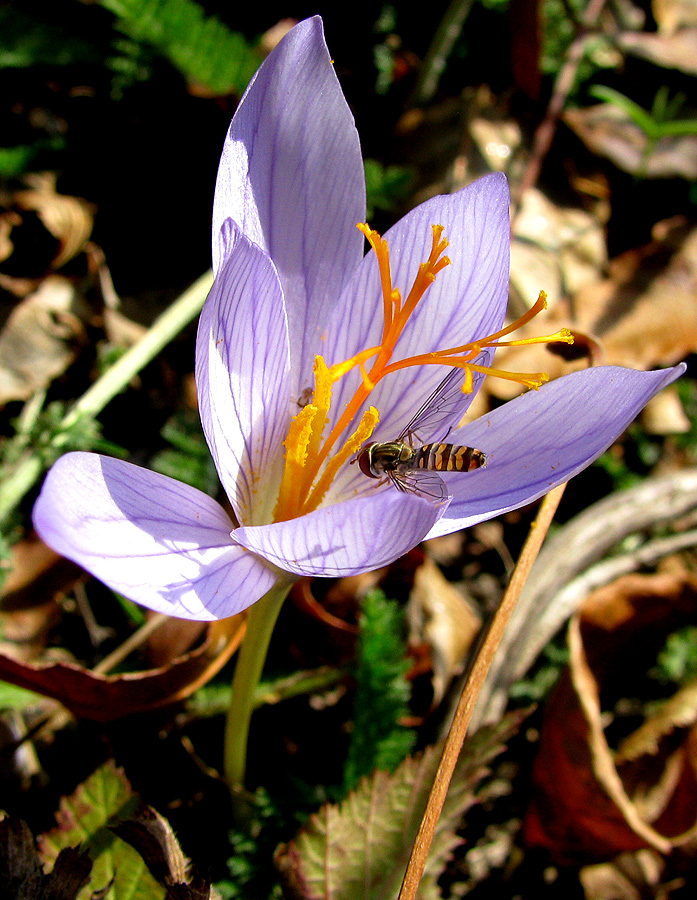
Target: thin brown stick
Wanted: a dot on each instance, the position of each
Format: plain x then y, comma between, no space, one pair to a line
562,87
470,692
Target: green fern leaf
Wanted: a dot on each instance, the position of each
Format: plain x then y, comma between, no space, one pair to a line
202,47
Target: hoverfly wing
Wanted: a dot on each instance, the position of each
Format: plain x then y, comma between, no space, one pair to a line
425,483
440,407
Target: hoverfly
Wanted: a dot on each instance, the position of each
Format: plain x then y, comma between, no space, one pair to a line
412,468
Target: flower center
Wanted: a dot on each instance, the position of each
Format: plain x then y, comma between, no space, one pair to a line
312,459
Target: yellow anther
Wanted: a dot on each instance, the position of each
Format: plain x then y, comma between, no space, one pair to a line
351,446
532,380
468,383
296,444
322,395
563,336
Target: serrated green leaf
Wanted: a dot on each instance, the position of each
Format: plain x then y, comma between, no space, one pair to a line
378,740
202,47
358,850
83,821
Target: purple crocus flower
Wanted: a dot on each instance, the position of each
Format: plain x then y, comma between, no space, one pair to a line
306,350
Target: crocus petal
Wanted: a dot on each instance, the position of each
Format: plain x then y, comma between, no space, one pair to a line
347,538
466,302
155,540
291,175
242,377
545,437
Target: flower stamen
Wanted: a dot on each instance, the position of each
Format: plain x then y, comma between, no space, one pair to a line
311,463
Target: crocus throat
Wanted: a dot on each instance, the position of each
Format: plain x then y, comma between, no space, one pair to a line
312,459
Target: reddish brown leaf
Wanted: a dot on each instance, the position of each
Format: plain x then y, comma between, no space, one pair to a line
107,697
590,803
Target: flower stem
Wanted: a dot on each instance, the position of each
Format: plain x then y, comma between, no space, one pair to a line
260,625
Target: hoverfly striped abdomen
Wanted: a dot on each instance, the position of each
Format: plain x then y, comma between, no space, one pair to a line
448,458
412,468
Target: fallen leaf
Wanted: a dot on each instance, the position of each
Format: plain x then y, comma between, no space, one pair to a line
672,50
556,249
37,341
664,414
9,219
151,835
22,875
68,219
608,131
632,876
673,14
440,616
590,803
643,316
35,572
104,698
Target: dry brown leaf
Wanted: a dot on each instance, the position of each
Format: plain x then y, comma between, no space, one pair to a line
35,343
555,249
664,414
440,616
677,712
608,131
632,876
497,141
8,220
151,835
173,639
674,50
22,869
119,329
673,14
35,572
68,219
644,315
586,806
104,698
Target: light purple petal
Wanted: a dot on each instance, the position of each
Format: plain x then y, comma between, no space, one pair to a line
291,175
545,437
242,377
346,538
467,301
161,543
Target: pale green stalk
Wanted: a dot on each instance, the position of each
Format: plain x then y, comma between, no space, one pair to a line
167,326
250,663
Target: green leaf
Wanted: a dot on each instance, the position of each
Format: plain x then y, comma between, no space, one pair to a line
188,458
387,187
378,741
202,47
677,660
653,124
635,112
13,697
83,821
359,849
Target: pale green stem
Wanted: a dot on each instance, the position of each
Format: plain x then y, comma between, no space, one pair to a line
93,401
250,663
442,44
